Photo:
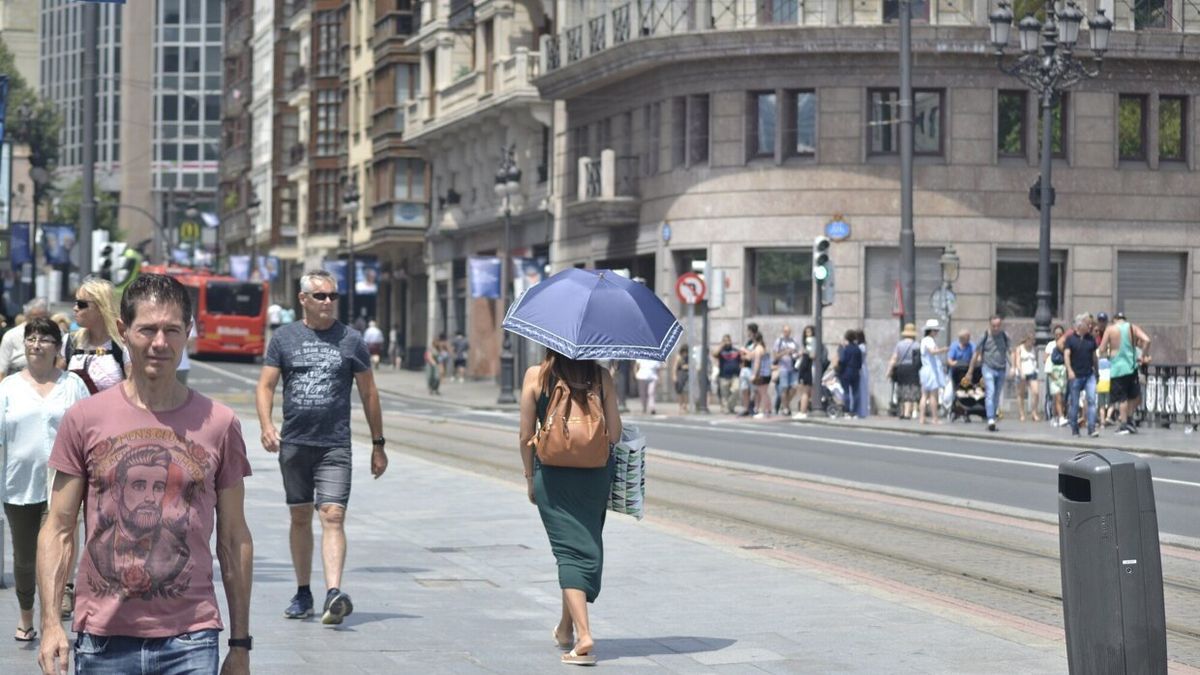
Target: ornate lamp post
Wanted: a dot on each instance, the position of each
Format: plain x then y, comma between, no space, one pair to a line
1048,73
949,262
350,208
508,183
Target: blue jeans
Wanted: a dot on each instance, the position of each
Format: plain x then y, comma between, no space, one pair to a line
993,387
1075,386
849,394
185,654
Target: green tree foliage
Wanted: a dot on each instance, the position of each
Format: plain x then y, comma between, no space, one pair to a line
1023,8
66,208
28,119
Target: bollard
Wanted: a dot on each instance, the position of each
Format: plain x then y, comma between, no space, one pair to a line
1111,566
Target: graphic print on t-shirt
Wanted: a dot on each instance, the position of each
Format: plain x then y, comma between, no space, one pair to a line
146,483
314,376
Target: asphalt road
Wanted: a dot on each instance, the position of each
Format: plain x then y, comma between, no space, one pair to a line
1014,475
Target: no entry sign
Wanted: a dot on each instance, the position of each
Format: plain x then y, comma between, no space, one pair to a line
690,288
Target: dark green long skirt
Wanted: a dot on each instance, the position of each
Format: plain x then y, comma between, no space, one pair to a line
573,503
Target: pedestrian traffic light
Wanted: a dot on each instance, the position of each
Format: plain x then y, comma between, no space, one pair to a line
110,255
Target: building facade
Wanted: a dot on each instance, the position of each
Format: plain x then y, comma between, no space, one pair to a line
159,106
475,103
742,129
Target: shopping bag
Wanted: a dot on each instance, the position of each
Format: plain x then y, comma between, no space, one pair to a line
627,491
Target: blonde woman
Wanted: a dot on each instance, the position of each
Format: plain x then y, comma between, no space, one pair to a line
95,352
1027,380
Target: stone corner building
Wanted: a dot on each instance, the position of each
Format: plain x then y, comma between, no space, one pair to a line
749,125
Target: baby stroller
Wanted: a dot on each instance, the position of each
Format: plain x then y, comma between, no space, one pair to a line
969,396
832,395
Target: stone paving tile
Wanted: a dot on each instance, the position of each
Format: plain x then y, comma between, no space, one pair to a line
669,605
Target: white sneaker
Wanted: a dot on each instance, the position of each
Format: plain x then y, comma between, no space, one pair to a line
800,416
759,416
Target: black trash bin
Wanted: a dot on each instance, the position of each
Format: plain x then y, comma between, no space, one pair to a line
1111,565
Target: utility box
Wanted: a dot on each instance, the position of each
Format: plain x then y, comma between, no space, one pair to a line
1111,565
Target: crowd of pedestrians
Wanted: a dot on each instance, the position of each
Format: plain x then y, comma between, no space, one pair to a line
1085,379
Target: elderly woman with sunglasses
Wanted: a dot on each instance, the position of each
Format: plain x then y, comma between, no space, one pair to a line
32,404
95,352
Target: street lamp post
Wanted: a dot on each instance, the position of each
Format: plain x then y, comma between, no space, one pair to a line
508,183
350,206
1048,74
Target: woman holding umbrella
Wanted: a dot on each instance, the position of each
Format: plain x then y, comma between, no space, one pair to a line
581,316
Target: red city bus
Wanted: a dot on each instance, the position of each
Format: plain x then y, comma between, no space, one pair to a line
231,315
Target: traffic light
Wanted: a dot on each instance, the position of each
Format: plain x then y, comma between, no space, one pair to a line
129,265
822,270
99,241
110,256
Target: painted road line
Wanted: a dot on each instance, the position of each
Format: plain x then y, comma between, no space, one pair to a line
816,439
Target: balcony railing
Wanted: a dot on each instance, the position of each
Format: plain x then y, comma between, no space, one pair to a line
393,26
389,120
638,19
298,79
234,161
511,75
608,177
296,155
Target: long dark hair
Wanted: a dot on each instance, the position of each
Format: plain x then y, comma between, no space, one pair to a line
580,375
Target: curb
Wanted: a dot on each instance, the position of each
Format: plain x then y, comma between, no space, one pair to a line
1001,436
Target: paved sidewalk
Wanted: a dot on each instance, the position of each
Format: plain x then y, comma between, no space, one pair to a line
451,573
1169,442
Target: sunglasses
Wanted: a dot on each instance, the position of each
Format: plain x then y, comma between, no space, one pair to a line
322,297
82,304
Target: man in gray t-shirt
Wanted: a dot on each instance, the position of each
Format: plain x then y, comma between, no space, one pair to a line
318,358
995,352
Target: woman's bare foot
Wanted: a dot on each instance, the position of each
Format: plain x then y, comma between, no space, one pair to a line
564,636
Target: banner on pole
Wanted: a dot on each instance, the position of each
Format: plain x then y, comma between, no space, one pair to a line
21,253
239,267
484,276
58,241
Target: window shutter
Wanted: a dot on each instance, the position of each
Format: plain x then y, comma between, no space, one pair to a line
1150,286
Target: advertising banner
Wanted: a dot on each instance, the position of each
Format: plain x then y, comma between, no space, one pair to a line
57,243
484,276
366,277
19,246
239,267
338,269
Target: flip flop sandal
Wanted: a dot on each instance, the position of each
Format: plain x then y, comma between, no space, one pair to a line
565,646
573,659
25,634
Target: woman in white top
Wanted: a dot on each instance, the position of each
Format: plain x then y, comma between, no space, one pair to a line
1027,378
647,380
933,372
32,404
95,352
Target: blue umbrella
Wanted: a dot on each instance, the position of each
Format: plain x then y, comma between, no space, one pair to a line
595,314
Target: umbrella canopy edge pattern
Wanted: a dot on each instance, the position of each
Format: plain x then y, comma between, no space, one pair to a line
571,350
565,339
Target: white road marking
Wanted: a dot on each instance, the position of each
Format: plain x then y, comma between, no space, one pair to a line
798,437
226,373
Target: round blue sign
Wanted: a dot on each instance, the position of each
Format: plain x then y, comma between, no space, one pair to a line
666,232
837,229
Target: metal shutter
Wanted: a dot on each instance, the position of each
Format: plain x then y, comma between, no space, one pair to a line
1151,286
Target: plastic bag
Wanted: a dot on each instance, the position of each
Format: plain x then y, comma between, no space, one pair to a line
627,493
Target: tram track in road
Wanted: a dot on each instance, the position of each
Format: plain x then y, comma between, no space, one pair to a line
999,561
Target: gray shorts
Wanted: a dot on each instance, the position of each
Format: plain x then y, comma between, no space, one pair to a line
310,471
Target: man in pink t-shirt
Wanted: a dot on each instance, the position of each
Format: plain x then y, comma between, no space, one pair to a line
156,466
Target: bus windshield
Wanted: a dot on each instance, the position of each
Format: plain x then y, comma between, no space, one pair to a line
231,297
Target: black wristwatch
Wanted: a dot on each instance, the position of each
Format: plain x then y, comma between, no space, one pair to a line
378,441
246,642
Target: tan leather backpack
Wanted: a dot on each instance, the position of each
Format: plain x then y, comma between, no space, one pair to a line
573,435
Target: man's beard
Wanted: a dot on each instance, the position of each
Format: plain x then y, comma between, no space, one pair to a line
142,520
